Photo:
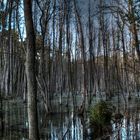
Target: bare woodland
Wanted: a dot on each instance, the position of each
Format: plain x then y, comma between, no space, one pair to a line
52,49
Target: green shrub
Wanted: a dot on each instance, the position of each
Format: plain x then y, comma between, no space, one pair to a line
101,113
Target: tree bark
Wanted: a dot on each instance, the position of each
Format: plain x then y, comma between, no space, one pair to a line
30,72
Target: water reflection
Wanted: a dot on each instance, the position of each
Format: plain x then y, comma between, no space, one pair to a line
129,128
63,126
66,126
13,118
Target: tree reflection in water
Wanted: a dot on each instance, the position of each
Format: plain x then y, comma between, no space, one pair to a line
66,126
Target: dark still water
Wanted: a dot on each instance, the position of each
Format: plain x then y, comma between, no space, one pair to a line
68,126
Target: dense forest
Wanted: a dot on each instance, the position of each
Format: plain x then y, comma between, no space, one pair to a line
63,56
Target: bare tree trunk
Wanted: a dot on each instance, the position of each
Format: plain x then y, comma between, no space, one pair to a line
133,26
30,72
83,56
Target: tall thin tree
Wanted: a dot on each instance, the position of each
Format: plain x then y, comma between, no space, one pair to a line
30,72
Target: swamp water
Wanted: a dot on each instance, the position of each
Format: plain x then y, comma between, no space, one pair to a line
68,126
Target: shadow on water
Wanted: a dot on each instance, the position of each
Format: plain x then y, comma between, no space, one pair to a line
67,125
14,119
